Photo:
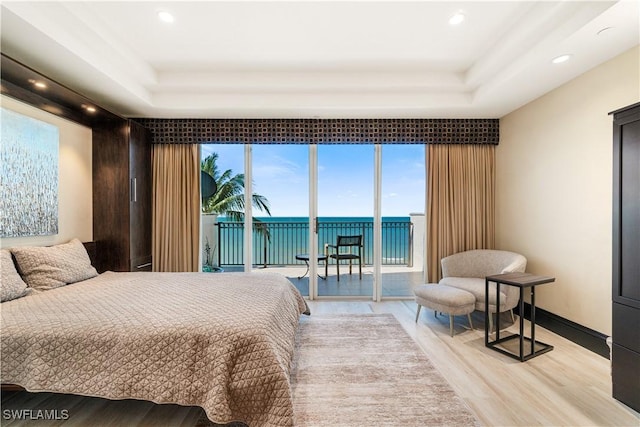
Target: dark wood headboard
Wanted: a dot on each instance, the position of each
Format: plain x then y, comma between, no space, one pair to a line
91,248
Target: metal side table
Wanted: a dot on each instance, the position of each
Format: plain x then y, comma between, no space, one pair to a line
305,258
522,281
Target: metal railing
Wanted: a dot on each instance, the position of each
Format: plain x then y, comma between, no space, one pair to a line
277,243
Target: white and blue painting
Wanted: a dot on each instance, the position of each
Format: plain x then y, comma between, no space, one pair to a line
28,176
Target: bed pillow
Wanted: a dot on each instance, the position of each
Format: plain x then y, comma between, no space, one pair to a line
50,267
12,286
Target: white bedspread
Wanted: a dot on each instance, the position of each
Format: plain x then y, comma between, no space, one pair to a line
220,341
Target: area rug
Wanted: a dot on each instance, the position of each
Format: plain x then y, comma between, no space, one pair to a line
364,370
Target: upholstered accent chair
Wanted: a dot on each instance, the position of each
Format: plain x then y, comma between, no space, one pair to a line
467,270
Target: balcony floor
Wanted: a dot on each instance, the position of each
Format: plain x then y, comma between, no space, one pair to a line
397,281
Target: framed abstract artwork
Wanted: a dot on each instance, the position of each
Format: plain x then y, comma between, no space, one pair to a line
28,176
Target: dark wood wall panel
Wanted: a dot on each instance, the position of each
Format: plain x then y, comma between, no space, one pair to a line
141,200
111,195
56,99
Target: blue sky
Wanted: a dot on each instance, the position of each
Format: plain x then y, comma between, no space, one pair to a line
345,177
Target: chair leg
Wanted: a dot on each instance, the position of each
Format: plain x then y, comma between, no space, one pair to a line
360,267
513,319
451,324
470,322
338,267
435,313
418,312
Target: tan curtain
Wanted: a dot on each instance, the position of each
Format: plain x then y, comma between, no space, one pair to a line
176,207
460,201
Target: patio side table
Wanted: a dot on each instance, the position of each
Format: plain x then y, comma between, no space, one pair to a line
522,281
305,258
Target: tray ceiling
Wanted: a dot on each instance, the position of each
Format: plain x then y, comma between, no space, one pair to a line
316,59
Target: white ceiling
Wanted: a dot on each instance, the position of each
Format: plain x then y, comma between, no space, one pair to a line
323,59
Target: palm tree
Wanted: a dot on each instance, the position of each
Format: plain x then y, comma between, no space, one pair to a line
229,198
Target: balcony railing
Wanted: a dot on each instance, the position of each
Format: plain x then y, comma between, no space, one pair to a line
277,243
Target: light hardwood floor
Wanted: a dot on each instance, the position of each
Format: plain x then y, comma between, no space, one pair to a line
569,386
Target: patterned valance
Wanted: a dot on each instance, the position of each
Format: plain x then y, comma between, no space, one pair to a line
323,131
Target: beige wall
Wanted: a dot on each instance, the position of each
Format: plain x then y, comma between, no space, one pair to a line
554,188
75,212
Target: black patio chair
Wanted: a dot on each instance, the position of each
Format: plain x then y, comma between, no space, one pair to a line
345,249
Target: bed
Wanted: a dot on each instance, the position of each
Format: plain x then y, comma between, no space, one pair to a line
220,341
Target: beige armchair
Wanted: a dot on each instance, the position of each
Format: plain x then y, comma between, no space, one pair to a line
467,270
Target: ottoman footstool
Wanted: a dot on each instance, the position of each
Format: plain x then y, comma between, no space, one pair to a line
445,299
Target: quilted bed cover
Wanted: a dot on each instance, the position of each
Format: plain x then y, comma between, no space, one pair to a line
220,341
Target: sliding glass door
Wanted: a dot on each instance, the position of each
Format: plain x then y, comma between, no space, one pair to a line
222,221
402,205
280,177
300,199
345,215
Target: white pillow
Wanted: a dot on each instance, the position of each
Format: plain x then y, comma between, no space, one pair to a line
12,286
44,268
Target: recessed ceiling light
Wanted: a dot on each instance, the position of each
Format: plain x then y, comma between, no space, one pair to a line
89,108
165,16
560,59
39,84
456,19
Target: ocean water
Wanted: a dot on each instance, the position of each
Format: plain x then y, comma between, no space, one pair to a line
288,236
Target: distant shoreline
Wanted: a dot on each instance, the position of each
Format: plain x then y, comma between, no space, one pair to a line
279,239
325,218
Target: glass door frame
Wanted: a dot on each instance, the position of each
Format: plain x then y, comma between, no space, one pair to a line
313,220
313,224
377,223
247,235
